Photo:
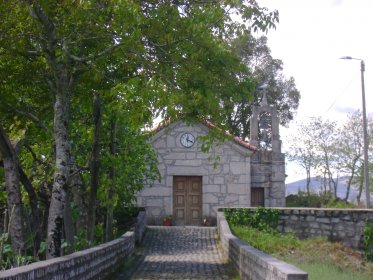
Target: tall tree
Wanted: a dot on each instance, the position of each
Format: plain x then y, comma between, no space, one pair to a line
315,147
350,148
326,133
281,91
303,151
10,162
171,58
94,166
58,39
335,151
60,79
358,180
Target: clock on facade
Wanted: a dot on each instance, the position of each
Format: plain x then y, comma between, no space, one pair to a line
187,140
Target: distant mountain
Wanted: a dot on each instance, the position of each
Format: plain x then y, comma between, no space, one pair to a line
317,186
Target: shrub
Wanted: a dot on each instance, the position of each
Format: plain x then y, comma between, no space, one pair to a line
368,240
302,199
338,203
264,219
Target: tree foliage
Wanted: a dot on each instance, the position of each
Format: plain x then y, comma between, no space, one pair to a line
265,70
323,148
303,151
140,60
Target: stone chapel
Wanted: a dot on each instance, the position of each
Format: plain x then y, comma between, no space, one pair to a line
235,173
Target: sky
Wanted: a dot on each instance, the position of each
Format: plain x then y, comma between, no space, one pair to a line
310,38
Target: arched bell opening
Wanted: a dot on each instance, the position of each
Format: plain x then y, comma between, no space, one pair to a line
265,132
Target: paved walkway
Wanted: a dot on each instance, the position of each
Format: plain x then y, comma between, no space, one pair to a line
178,253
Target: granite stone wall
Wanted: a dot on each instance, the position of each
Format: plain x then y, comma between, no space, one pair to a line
225,172
251,263
94,263
338,225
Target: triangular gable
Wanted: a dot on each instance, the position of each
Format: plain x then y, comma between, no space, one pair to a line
236,143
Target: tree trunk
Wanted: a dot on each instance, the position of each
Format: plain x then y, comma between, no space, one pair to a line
60,81
308,181
58,200
68,224
331,190
14,202
36,224
361,184
45,195
78,192
325,191
61,175
109,213
94,167
109,217
350,181
334,184
348,188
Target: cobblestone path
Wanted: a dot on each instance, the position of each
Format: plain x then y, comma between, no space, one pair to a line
178,253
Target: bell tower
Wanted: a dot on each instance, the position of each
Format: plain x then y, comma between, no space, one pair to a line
268,163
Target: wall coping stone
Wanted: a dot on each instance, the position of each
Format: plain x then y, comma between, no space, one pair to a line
342,210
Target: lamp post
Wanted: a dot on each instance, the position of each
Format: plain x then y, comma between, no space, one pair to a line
366,144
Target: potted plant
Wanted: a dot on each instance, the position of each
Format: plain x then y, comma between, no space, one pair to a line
207,221
167,221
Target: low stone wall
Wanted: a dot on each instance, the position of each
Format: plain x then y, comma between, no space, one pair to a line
251,263
338,225
93,263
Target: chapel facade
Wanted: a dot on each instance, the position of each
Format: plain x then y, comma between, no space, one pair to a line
235,173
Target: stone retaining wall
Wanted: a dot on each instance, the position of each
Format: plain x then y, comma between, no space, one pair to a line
251,263
93,263
338,225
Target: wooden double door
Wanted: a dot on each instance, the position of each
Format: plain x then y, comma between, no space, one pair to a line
187,200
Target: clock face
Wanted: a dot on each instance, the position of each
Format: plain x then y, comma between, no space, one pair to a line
187,140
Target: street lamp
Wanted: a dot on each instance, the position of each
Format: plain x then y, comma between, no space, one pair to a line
366,144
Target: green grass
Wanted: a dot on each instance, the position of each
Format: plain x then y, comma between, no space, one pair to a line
328,271
264,241
319,258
